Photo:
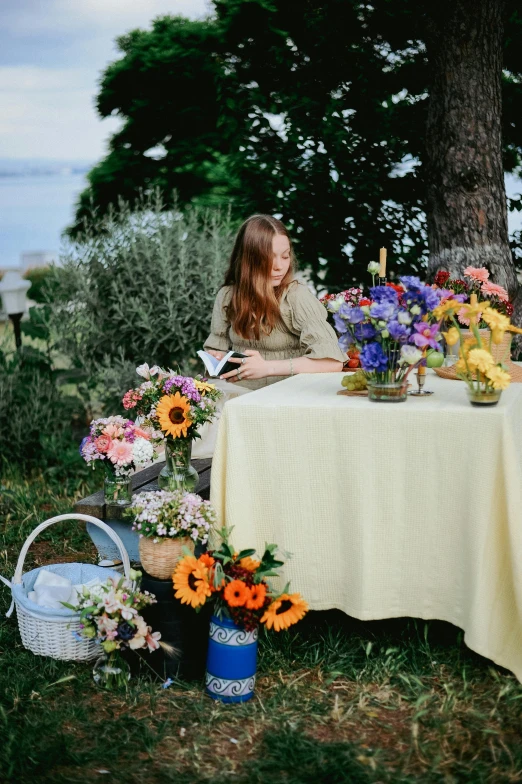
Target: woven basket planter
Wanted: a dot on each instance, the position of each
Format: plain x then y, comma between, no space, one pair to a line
500,353
52,632
159,559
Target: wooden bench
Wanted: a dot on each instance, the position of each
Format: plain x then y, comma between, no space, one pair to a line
142,481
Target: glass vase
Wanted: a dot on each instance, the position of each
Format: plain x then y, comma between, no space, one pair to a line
178,472
117,490
111,672
391,392
483,397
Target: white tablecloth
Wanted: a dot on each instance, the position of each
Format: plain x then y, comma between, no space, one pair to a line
408,509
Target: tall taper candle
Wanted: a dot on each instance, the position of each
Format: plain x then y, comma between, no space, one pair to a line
382,262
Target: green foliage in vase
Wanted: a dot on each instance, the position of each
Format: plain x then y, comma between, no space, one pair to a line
318,116
138,287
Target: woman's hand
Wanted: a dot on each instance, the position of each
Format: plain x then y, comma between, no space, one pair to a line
216,354
250,368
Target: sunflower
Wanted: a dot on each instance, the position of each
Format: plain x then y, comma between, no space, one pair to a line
236,593
191,582
173,414
204,386
285,611
257,597
250,564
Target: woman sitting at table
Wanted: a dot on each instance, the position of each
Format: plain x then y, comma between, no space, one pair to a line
264,313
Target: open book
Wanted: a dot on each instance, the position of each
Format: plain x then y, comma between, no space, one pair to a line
217,367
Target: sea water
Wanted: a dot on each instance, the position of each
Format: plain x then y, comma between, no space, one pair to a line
34,211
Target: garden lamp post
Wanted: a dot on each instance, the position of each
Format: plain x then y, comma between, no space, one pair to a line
13,290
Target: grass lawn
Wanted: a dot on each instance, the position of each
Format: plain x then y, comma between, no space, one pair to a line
337,701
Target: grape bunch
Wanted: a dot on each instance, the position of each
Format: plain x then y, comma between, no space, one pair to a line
355,382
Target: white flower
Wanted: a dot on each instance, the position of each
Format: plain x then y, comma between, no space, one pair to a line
143,370
374,267
142,450
410,355
334,304
415,310
404,317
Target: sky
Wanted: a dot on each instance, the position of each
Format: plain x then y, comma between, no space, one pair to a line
52,53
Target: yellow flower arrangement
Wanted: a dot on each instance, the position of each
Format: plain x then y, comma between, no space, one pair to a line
476,365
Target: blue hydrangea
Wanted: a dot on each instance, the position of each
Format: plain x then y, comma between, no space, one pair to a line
383,310
384,294
350,314
398,332
373,358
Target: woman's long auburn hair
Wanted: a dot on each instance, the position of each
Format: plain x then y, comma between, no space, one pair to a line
254,305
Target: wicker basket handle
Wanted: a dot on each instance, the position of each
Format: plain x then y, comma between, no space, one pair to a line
88,519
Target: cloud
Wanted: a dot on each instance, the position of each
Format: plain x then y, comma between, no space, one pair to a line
52,54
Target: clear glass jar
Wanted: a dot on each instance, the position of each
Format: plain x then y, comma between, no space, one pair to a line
178,472
117,490
481,397
111,672
391,392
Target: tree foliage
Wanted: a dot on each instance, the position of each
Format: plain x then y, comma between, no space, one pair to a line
316,115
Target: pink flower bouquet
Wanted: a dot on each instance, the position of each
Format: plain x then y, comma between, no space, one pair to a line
119,443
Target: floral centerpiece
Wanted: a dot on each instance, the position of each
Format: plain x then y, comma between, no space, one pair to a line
110,614
476,283
392,333
238,588
173,408
485,376
167,521
120,446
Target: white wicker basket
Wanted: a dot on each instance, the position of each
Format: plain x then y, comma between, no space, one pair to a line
56,633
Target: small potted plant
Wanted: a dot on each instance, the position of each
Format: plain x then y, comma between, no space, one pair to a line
237,586
167,521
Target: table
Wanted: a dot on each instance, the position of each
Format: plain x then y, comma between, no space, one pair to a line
390,510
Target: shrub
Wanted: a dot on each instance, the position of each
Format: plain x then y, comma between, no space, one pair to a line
37,420
139,288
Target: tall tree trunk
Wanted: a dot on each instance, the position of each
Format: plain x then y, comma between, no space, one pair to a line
466,199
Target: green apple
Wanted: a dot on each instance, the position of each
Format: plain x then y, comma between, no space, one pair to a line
434,358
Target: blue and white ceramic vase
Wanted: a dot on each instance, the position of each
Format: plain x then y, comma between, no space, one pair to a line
231,661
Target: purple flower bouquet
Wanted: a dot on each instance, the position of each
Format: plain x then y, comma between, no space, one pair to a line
393,331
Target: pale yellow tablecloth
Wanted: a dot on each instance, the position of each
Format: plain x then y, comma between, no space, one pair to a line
409,509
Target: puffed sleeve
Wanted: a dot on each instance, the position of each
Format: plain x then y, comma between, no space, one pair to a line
308,319
219,339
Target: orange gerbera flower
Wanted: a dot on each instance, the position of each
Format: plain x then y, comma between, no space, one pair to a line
285,611
250,564
191,583
173,414
206,560
257,597
236,593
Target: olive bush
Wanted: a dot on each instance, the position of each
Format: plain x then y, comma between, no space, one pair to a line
138,286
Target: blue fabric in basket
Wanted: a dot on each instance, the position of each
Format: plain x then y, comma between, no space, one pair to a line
75,572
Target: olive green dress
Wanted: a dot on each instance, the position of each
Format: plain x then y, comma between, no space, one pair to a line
302,330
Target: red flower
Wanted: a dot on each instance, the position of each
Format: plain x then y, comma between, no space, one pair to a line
441,278
398,289
364,301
